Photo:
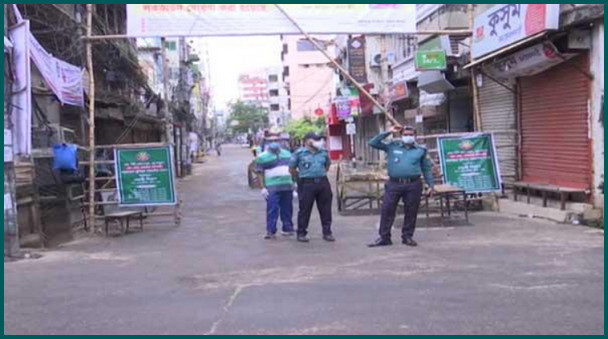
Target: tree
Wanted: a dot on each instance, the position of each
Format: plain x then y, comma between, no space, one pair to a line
298,128
245,117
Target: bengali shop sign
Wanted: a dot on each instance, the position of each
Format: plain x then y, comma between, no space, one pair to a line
170,20
144,176
470,162
503,25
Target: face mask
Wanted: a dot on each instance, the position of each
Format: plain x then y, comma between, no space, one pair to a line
319,144
408,139
274,147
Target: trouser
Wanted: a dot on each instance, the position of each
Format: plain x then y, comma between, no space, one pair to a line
309,192
279,203
411,194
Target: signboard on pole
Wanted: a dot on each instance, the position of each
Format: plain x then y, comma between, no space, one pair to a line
503,25
144,176
470,162
351,128
430,60
356,59
173,20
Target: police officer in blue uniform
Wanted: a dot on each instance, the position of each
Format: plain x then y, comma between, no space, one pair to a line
407,162
309,166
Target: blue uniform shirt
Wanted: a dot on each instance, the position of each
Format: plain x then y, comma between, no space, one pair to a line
403,161
310,165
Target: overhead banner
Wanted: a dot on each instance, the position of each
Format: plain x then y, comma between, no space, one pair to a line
176,20
470,162
144,176
64,79
503,25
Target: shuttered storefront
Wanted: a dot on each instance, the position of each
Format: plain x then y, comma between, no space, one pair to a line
498,115
555,133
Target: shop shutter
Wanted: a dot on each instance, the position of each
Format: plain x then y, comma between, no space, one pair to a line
498,115
555,130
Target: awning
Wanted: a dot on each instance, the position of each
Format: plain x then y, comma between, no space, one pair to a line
505,50
434,82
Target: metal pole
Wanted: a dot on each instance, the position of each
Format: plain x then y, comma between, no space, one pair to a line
339,67
89,56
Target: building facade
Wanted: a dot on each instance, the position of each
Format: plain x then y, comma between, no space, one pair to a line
308,79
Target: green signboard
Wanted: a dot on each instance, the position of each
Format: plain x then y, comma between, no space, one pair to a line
144,176
470,162
430,60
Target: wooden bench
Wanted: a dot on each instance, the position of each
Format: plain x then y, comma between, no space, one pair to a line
447,192
124,218
545,189
111,212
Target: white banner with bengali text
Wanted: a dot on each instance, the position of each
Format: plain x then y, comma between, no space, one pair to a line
172,20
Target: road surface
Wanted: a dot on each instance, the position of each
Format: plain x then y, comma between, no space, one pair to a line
216,275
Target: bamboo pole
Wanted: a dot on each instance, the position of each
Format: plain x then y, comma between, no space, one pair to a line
89,57
476,104
339,67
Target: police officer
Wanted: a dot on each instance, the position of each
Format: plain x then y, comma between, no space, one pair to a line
407,162
309,165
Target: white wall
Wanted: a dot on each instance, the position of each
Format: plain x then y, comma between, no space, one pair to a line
597,130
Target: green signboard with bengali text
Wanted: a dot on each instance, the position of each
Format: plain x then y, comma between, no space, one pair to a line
470,162
144,176
430,60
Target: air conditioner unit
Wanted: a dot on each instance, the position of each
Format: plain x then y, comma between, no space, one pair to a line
47,136
376,61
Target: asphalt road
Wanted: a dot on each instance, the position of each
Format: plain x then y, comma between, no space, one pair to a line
216,275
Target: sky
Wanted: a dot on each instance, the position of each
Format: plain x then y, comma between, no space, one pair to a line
231,56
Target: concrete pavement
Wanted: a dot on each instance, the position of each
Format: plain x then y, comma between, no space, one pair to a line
216,275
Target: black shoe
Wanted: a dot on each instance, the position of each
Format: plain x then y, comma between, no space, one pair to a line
329,238
270,236
380,243
409,242
303,238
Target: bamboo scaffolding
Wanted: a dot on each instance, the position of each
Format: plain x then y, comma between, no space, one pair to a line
89,57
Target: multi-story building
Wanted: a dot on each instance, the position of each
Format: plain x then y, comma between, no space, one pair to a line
308,79
278,100
253,88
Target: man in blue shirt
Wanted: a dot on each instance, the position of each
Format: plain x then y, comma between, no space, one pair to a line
407,162
309,165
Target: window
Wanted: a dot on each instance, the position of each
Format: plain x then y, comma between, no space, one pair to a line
274,107
273,78
171,45
285,71
274,92
306,46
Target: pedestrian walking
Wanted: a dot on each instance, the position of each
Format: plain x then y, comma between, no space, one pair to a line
272,167
309,165
407,162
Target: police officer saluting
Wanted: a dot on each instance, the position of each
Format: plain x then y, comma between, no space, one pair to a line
407,162
309,165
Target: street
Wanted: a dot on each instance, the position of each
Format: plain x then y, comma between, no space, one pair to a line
215,274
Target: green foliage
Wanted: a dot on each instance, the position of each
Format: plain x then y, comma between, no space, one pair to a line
244,117
298,128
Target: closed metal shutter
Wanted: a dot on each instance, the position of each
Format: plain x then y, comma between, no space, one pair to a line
555,129
498,115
